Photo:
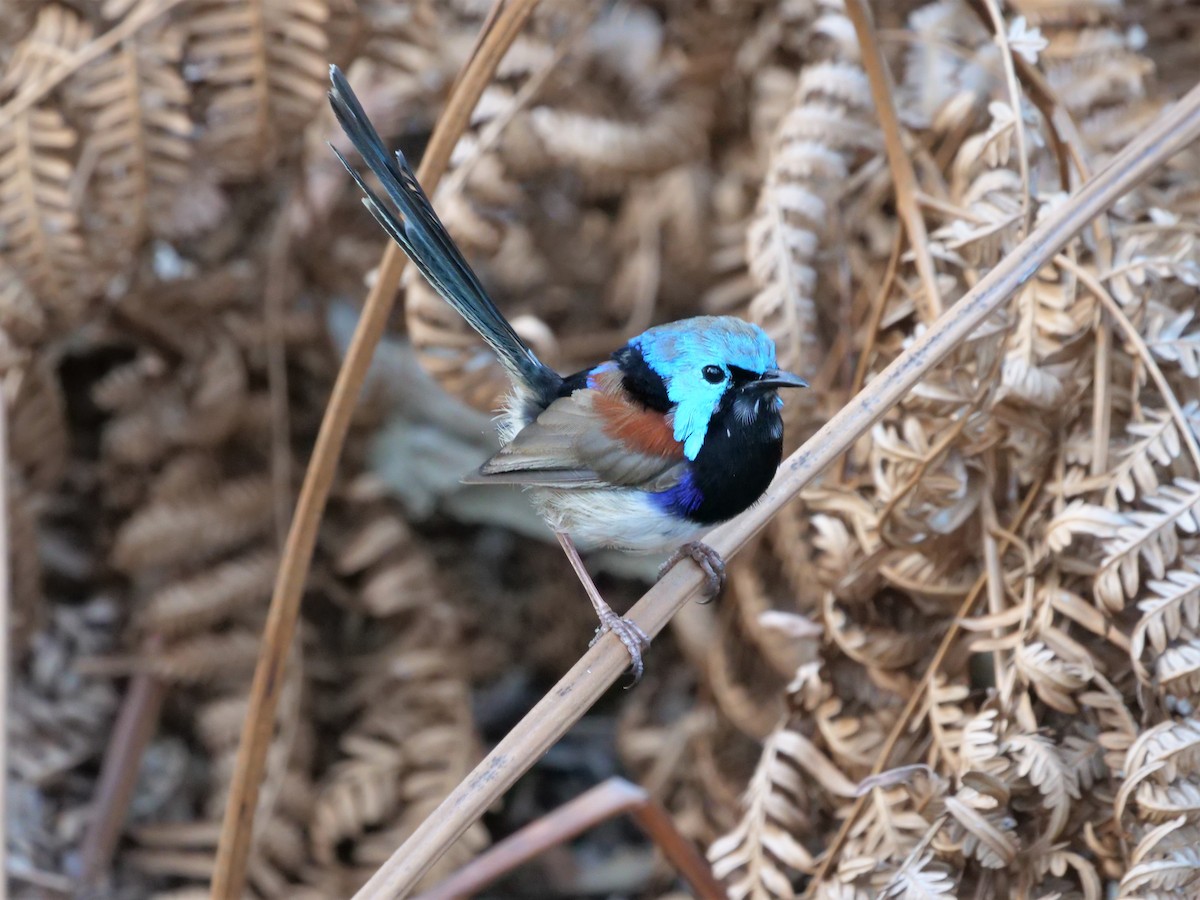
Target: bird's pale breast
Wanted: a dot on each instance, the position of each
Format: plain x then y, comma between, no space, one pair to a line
618,518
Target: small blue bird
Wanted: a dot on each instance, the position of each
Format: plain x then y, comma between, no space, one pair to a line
679,430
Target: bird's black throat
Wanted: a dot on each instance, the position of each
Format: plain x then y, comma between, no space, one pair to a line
741,451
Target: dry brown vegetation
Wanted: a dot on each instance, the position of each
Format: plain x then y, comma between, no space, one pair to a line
993,601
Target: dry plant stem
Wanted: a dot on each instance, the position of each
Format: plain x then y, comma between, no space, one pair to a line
89,52
595,672
917,696
5,606
994,585
491,133
233,850
949,437
1093,284
603,802
878,307
1063,132
274,304
136,724
1101,407
1014,93
903,176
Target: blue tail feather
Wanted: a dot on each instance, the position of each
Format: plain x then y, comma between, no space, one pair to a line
421,234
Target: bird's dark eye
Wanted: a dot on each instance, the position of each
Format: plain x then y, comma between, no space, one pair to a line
713,374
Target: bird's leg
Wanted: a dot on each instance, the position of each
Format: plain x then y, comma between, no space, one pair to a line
627,631
708,559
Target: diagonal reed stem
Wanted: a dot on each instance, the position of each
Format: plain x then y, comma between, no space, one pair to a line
601,665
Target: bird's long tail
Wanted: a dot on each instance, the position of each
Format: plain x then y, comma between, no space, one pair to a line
420,233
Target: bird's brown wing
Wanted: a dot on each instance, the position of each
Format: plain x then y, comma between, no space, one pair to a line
596,436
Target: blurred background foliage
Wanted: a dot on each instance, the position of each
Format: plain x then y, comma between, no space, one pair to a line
181,264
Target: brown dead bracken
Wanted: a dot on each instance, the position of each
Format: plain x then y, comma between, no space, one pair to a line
963,662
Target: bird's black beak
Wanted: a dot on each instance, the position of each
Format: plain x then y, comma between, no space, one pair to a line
776,378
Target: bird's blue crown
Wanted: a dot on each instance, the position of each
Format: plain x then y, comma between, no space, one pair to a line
679,353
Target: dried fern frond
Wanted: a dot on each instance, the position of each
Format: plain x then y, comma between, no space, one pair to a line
948,68
608,151
57,32
22,321
1173,608
1039,760
187,850
263,70
39,207
194,529
39,439
1172,343
398,758
207,598
403,580
1177,669
818,142
134,104
1164,802
1164,871
1154,444
203,658
1157,260
37,458
403,41
26,598
1148,537
919,878
981,831
1163,752
1094,66
1052,678
753,859
1049,317
200,405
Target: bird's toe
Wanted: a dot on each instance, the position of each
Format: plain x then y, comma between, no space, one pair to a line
709,561
631,635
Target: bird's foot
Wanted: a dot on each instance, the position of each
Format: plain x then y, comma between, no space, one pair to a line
709,561
628,633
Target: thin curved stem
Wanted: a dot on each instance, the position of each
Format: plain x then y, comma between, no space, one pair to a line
233,849
1121,320
605,801
904,177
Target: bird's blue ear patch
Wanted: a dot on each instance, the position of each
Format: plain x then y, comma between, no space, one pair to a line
679,352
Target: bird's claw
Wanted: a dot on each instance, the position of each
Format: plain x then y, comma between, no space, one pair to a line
631,635
709,561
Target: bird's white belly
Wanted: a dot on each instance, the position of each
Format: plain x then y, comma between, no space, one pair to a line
620,518
617,517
